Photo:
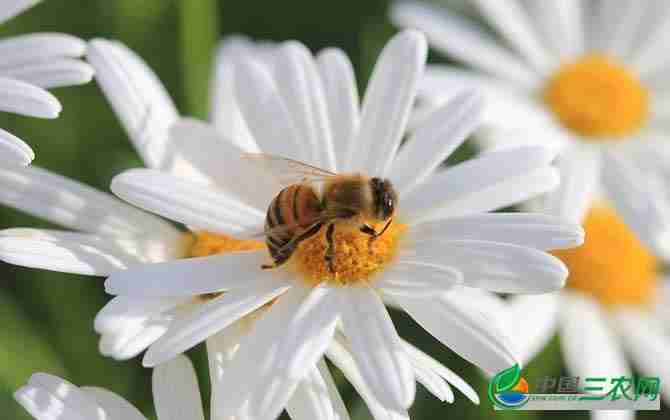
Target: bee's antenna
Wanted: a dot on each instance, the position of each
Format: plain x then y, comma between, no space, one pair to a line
384,230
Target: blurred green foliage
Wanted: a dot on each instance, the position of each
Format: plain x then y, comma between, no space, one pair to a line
47,317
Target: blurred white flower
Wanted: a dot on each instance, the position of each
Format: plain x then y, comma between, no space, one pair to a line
176,395
29,64
588,79
296,106
585,77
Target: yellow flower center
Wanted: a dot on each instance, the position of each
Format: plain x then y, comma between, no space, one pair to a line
612,265
203,244
356,259
598,98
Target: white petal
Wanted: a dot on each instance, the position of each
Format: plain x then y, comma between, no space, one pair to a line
25,99
50,397
601,19
492,266
192,276
640,199
132,340
621,36
210,318
128,250
387,103
561,23
506,105
51,73
646,339
281,349
589,345
67,252
464,40
265,113
137,96
482,184
662,304
192,203
452,378
11,8
580,176
68,203
463,329
336,401
311,399
434,140
123,310
176,392
300,86
376,347
512,22
514,134
115,407
130,325
530,230
433,382
659,109
14,151
225,112
649,60
39,47
532,323
341,93
221,348
417,279
192,145
343,359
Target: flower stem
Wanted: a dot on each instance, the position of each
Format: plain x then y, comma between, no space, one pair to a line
198,33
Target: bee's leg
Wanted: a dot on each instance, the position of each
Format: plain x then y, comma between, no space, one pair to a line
368,230
330,250
281,255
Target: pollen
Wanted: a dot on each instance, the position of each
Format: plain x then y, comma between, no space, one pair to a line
204,244
356,259
597,98
612,265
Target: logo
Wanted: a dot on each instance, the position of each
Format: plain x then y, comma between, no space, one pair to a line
508,389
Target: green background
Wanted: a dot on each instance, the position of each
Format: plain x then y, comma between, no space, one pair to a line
46,317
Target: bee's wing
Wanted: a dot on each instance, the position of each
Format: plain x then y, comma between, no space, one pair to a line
287,171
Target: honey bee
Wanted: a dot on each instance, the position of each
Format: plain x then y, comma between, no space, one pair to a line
301,209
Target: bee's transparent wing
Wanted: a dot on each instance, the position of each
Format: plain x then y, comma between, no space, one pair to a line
287,171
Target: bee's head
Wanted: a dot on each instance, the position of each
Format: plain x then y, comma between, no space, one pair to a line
384,198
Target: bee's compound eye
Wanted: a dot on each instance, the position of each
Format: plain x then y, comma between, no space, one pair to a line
386,198
389,204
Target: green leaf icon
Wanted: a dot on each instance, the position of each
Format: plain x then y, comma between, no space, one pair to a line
507,379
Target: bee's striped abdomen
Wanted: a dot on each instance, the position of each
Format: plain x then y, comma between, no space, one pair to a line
291,212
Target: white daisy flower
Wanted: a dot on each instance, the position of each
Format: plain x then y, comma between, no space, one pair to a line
583,76
176,395
111,236
29,64
613,312
616,299
304,108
